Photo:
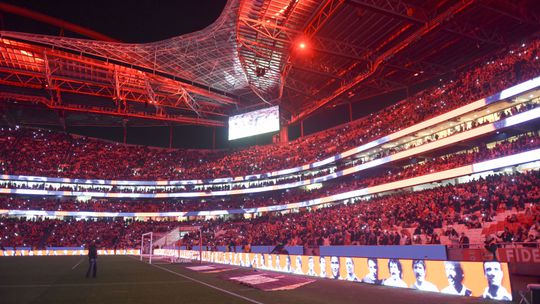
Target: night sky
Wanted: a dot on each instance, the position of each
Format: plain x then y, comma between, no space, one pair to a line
129,21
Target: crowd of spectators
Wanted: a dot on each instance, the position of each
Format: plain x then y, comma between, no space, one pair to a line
515,144
388,219
401,218
108,233
44,153
340,165
523,228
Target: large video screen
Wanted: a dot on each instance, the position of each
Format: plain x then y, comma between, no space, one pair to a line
254,123
489,279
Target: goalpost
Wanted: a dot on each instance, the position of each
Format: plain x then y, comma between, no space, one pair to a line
163,246
147,246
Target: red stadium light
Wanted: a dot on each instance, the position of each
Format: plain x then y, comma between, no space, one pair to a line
301,44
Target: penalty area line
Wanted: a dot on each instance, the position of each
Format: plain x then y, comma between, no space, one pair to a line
208,285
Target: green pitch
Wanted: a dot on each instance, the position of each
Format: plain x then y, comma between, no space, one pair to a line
123,279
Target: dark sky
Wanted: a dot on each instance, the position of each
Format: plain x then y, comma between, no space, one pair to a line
128,21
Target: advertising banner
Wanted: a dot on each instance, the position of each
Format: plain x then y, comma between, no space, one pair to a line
519,255
59,252
488,279
430,252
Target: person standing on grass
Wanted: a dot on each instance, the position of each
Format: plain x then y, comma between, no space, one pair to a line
92,260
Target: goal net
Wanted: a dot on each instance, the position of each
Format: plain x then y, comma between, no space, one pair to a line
164,247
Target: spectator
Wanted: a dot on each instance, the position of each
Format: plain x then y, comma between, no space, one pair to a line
464,241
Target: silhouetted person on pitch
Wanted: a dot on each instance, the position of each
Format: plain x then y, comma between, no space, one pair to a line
92,260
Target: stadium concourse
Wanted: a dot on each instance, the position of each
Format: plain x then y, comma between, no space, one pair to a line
433,187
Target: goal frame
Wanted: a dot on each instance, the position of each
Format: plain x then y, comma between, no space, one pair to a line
148,239
151,240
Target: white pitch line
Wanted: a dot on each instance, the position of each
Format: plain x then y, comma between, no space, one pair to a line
77,264
208,285
91,284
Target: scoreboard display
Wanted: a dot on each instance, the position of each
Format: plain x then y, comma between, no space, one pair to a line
254,123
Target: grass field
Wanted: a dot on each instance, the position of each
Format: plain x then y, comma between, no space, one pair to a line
123,279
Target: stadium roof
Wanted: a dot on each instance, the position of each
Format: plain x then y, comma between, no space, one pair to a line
304,55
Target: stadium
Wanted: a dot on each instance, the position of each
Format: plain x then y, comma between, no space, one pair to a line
270,151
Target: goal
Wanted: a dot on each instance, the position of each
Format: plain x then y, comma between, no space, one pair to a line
164,247
147,247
